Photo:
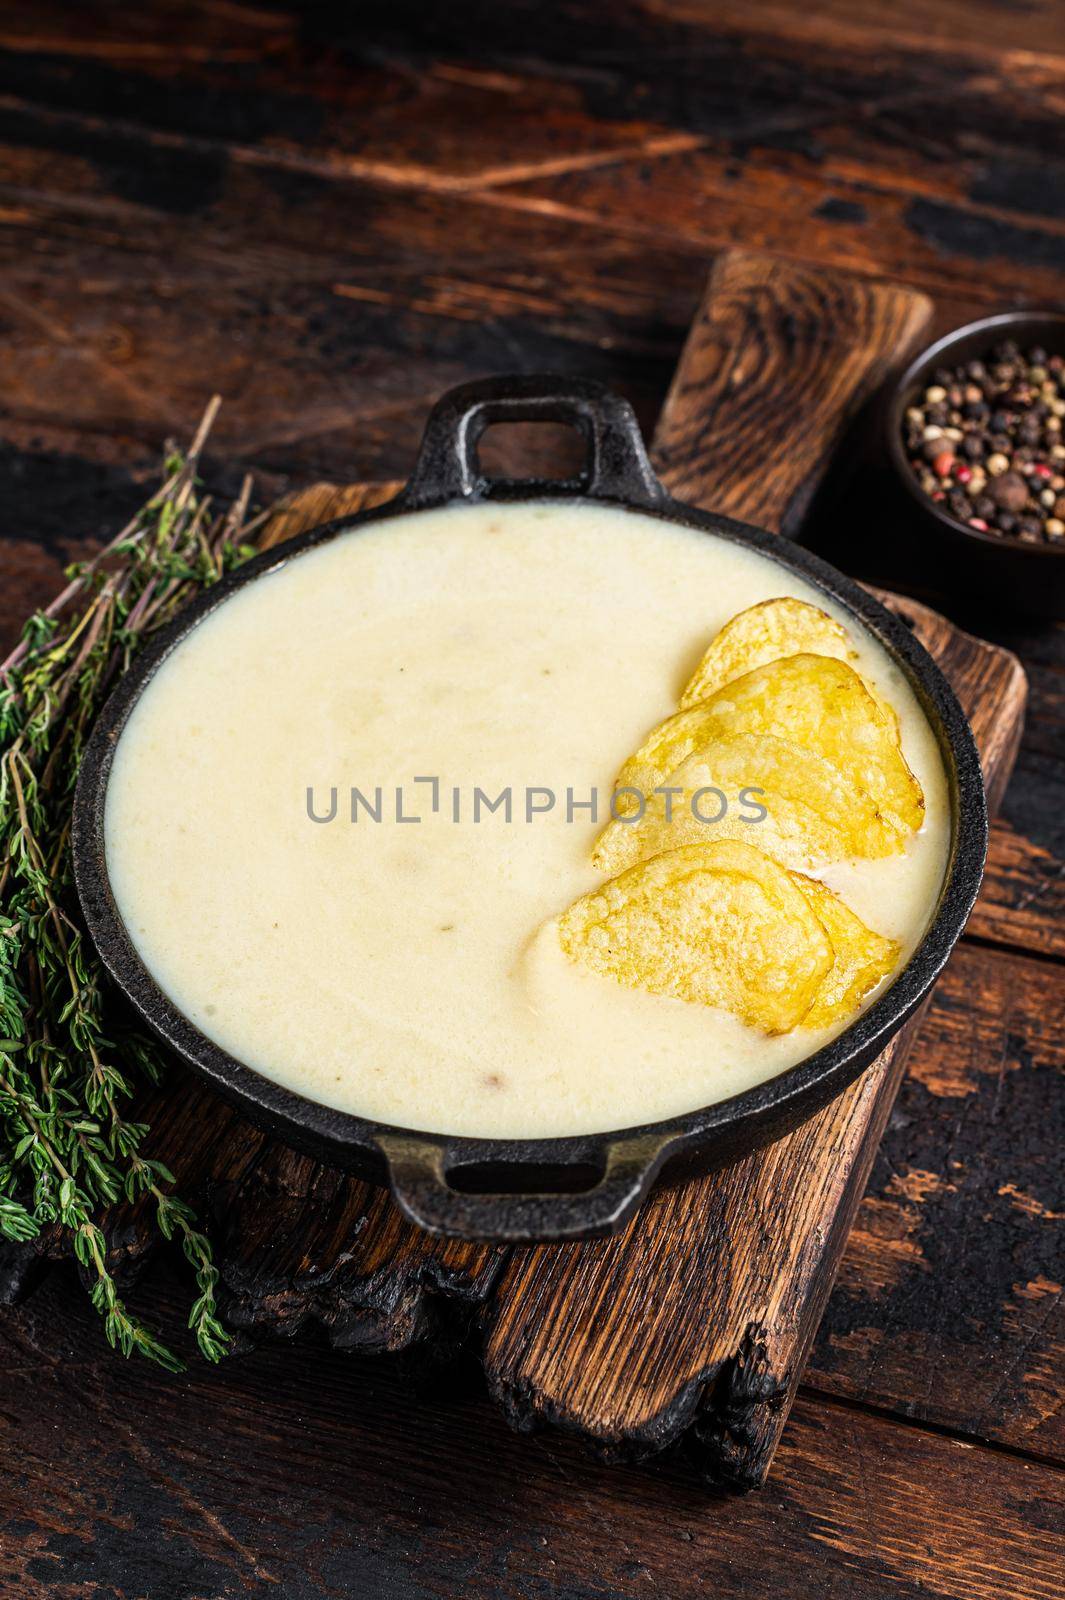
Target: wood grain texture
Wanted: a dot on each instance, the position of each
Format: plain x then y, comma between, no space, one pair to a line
779,360
321,502
313,1476
331,215
733,1307
302,1247
336,219
913,150
699,1316
948,1305
949,1302
696,1319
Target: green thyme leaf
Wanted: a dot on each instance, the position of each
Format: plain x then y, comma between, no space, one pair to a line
71,1060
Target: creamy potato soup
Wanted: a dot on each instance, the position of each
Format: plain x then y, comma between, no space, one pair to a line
310,842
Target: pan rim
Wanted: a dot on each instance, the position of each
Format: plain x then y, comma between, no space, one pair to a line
349,1139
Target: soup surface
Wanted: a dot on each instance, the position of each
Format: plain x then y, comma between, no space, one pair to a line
392,952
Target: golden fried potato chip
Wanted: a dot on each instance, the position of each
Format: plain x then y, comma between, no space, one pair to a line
862,957
814,701
762,633
815,812
716,923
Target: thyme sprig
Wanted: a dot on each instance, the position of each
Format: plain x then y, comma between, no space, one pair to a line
70,1059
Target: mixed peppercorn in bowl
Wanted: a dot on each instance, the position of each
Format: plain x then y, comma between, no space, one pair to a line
976,430
985,440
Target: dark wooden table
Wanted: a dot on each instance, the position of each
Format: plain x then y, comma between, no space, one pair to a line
329,220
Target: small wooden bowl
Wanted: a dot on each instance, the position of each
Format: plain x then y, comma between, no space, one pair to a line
1020,577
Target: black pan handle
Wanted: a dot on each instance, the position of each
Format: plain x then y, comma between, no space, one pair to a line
448,467
420,1173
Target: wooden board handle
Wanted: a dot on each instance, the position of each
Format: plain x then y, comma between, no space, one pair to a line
697,1319
779,360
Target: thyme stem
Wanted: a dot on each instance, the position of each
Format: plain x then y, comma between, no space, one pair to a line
70,1058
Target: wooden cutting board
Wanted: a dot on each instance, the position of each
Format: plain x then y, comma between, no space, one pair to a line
694,1323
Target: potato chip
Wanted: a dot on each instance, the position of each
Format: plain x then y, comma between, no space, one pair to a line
715,923
814,811
862,957
817,702
766,632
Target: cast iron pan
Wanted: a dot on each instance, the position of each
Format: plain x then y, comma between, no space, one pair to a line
563,1188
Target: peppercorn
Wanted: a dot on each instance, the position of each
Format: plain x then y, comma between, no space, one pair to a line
985,441
1009,491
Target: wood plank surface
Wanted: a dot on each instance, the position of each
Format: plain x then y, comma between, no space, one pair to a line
948,1304
305,1474
908,150
331,215
697,1318
969,1172
733,1308
779,361
332,284
303,1247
